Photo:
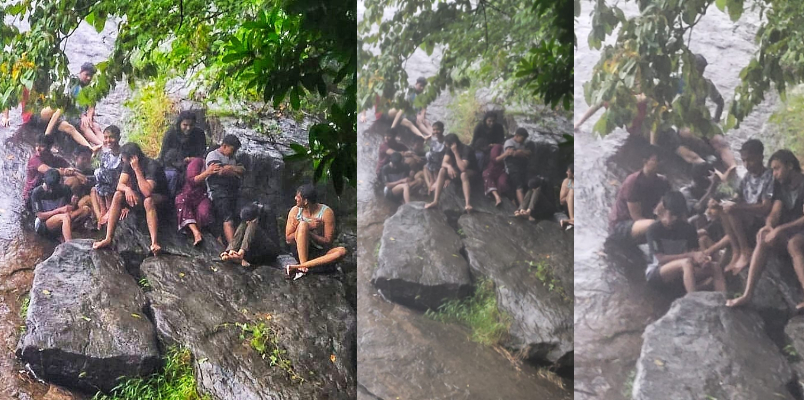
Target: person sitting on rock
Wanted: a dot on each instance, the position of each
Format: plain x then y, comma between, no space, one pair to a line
567,197
490,132
51,203
193,206
390,146
142,185
704,185
310,230
85,178
434,156
107,175
632,212
254,240
417,162
784,225
515,155
182,142
41,161
397,178
672,243
536,203
80,118
495,180
459,161
223,186
417,121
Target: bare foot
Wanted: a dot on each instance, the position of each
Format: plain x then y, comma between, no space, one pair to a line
245,263
740,301
468,208
742,262
431,205
103,243
800,307
156,249
197,240
235,256
123,213
104,219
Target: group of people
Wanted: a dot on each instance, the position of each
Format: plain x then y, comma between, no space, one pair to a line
687,230
202,185
501,162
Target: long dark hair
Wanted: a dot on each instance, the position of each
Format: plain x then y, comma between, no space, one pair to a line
132,149
184,115
786,157
452,138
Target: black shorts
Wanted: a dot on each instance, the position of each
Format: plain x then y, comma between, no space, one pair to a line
40,227
621,231
517,179
225,208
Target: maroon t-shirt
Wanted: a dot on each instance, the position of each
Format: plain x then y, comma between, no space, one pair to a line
383,158
33,177
638,188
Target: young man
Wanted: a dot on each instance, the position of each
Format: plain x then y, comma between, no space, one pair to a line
416,123
51,203
435,156
784,226
224,186
310,230
397,179
632,212
85,179
672,242
107,175
255,238
516,153
43,160
459,160
703,187
389,146
142,184
80,118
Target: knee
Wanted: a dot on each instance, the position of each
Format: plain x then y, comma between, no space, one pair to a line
303,227
465,176
340,251
149,203
118,197
794,247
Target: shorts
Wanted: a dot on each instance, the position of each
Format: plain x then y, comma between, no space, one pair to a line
517,179
652,275
40,227
434,160
225,208
621,231
389,194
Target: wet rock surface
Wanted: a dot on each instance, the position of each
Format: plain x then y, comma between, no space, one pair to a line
702,348
420,264
86,323
531,266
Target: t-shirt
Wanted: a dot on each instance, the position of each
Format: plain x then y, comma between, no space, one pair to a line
493,135
792,199
33,177
44,201
220,186
638,188
384,156
678,239
153,171
391,174
467,154
192,144
756,189
515,164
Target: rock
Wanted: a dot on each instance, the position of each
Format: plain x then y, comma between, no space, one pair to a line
702,348
775,295
502,249
452,201
86,323
420,262
794,335
196,303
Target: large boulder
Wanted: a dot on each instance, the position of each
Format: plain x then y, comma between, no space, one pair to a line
794,337
702,348
420,262
196,303
531,266
87,323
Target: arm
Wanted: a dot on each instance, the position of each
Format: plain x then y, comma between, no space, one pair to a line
718,99
761,209
52,123
791,225
591,111
91,113
701,204
234,170
635,210
146,186
775,214
291,225
720,245
562,197
462,164
45,215
123,183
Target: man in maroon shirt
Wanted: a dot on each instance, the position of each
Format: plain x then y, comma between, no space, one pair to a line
633,211
43,160
390,146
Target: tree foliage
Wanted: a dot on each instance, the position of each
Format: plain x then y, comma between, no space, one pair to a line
269,50
521,47
651,55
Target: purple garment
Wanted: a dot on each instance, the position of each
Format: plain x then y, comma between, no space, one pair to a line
192,204
494,176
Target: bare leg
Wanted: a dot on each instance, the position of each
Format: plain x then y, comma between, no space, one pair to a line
228,230
413,128
398,115
442,176
676,269
69,129
467,188
497,198
429,179
571,205
302,241
758,261
60,221
402,190
738,229
96,205
114,213
151,216
331,256
196,233
723,150
90,136
725,221
520,196
796,249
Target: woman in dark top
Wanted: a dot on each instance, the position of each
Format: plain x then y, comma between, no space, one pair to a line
487,133
187,141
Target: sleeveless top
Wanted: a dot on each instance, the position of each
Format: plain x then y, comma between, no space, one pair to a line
569,184
300,218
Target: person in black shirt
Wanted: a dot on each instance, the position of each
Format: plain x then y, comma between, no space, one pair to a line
397,179
672,242
784,226
51,203
490,132
181,143
256,239
459,160
142,184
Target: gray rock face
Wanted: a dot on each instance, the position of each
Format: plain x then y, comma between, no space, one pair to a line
702,348
197,302
420,262
502,249
86,323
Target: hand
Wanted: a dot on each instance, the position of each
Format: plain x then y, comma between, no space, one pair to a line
715,177
67,209
131,197
771,236
4,121
363,117
452,173
123,213
85,121
314,223
700,258
214,169
454,148
187,160
135,163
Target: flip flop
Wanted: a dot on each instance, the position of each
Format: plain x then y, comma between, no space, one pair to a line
299,275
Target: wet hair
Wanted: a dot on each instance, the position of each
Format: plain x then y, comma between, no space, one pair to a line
131,149
439,124
113,131
52,177
88,67
250,211
536,182
185,115
651,151
675,203
44,140
422,80
231,140
490,114
786,157
451,139
390,132
308,192
571,168
753,147
521,132
82,150
700,62
702,171
396,158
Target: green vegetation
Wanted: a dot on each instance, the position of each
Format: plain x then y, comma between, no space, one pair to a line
489,325
143,283
789,119
26,301
175,382
464,113
264,340
544,273
791,353
628,386
149,118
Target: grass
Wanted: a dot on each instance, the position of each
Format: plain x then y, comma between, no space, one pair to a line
143,283
150,108
175,382
26,301
628,386
479,312
544,273
789,119
265,341
465,112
